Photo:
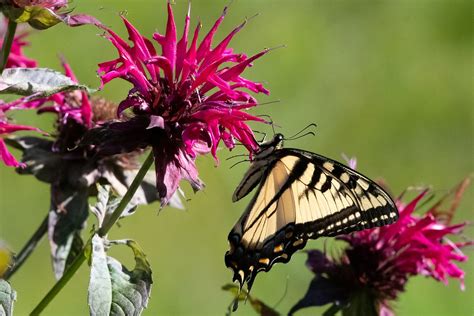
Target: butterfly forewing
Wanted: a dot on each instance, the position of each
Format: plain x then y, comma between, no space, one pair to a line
302,196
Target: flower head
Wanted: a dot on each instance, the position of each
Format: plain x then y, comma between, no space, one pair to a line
73,169
184,101
377,263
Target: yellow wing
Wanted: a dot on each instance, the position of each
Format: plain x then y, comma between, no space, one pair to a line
303,196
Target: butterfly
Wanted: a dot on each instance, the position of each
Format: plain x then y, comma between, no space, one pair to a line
300,195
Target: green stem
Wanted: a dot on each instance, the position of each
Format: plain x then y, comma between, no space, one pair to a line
79,260
7,43
27,248
106,226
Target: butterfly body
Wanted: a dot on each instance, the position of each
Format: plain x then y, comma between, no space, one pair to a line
300,195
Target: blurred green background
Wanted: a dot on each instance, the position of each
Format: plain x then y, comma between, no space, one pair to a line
389,82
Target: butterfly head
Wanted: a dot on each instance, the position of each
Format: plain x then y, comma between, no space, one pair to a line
275,143
268,147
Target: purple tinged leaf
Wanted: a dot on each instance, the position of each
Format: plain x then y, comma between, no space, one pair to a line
67,216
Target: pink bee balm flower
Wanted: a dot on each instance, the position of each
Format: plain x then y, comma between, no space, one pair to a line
5,129
73,169
184,101
378,262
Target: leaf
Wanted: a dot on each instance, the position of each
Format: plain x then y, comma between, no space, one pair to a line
130,286
7,297
106,204
100,284
242,295
75,250
113,289
67,216
38,156
36,82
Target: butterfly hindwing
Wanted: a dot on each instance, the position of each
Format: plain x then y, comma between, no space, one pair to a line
302,196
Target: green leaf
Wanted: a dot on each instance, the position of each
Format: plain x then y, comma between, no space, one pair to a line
100,285
113,289
240,295
106,204
7,297
36,82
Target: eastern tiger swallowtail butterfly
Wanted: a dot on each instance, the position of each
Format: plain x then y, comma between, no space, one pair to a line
300,196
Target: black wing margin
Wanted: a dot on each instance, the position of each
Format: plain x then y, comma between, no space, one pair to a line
302,196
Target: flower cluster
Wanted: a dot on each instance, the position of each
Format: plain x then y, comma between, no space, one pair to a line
184,101
377,263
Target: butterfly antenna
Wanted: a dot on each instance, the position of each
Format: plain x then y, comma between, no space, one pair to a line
303,130
267,103
239,162
235,156
301,136
270,121
263,138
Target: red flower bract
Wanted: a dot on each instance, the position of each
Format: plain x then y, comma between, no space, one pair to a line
189,98
5,129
